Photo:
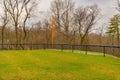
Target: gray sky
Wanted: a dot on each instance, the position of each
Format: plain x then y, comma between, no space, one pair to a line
107,7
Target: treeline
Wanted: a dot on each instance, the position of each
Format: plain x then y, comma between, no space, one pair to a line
73,24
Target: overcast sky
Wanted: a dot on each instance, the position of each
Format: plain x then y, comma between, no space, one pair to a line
107,7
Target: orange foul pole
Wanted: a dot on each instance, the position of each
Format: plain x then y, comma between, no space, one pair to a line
53,31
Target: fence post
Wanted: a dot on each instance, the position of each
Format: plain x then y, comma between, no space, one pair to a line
61,47
30,46
47,46
104,49
44,46
86,49
72,48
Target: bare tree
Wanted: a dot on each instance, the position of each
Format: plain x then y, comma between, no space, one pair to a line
63,10
28,14
118,5
5,21
47,30
117,21
85,19
56,9
67,18
17,9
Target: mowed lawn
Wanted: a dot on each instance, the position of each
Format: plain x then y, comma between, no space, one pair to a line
57,65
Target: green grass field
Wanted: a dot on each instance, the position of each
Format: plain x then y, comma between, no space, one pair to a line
57,65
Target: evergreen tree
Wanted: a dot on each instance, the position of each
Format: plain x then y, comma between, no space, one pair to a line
114,27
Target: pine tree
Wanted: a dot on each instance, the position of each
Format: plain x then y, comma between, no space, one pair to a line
114,27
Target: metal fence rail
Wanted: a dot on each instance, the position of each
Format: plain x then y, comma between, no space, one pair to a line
105,49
